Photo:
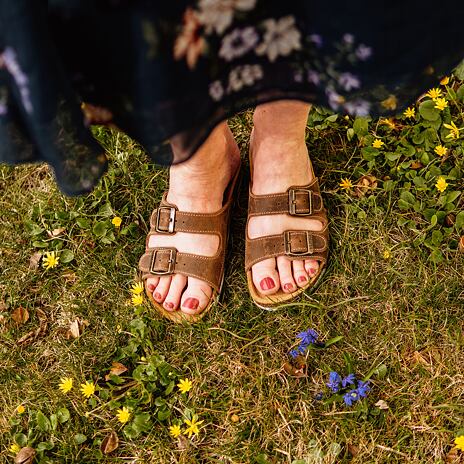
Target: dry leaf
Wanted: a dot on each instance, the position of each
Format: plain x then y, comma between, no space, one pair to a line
34,260
381,404
116,369
353,449
419,359
55,232
3,305
416,165
30,336
25,455
182,442
366,184
454,456
20,315
69,276
296,369
461,244
74,331
109,443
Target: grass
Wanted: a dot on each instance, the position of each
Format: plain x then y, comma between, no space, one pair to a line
401,317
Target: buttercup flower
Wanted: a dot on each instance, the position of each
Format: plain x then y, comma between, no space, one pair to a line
445,80
387,254
192,426
51,260
459,442
14,448
441,184
334,381
137,288
88,389
123,415
440,150
185,385
20,409
65,385
434,93
377,143
346,184
410,112
440,104
137,300
116,221
454,130
175,430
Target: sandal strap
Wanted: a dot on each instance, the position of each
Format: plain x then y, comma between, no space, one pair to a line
295,244
162,261
303,200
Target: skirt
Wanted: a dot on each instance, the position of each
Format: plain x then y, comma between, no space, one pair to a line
161,69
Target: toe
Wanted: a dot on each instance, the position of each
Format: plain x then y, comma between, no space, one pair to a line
151,283
299,273
266,277
196,297
178,283
284,266
161,290
311,266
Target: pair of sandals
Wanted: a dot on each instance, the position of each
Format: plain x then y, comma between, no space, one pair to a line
297,201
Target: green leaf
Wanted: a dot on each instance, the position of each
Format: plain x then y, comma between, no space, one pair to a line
39,244
437,237
379,371
408,197
163,414
436,256
54,421
428,111
350,134
20,439
333,340
44,446
32,228
106,210
42,422
332,118
460,92
63,415
83,223
433,220
452,196
459,71
459,224
360,126
392,156
100,228
79,438
66,256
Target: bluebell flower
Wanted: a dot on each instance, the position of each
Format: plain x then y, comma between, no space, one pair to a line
350,397
348,380
319,396
294,353
308,337
363,388
334,381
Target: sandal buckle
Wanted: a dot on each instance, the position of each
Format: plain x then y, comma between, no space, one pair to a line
292,194
308,242
171,261
172,220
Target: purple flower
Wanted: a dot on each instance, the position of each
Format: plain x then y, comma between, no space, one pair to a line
363,52
348,380
349,81
308,337
319,396
334,98
316,39
298,76
334,381
357,107
313,77
294,353
348,39
350,397
363,389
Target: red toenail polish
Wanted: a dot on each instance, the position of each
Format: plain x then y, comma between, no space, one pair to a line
151,287
169,305
312,271
191,303
157,296
302,279
288,287
267,283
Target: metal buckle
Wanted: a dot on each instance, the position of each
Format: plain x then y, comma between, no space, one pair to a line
171,261
292,202
172,219
288,244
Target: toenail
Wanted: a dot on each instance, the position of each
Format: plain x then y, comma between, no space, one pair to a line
157,296
288,286
169,305
151,287
191,303
267,283
302,279
312,271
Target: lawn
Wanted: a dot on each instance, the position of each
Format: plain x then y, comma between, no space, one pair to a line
391,303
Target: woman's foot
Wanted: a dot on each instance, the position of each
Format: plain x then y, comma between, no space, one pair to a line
196,185
280,160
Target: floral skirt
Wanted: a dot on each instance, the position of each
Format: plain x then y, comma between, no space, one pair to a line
159,69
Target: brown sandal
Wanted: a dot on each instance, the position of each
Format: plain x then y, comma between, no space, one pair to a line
302,201
159,261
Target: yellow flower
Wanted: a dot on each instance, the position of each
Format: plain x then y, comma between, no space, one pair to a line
440,150
459,442
441,184
388,122
192,426
454,130
434,93
116,221
410,112
346,184
123,415
175,430
440,103
137,288
20,409
66,383
51,260
137,300
14,448
377,143
386,254
445,80
185,385
88,389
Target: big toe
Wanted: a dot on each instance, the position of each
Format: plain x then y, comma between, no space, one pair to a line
265,276
196,297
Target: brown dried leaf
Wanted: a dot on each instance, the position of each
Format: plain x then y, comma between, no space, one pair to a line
109,443
34,260
116,369
55,232
296,369
30,336
69,276
416,165
454,456
381,404
74,330
3,306
353,449
419,359
20,315
461,244
450,219
182,442
366,184
25,455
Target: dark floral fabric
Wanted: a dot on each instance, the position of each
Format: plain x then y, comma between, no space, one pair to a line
158,69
